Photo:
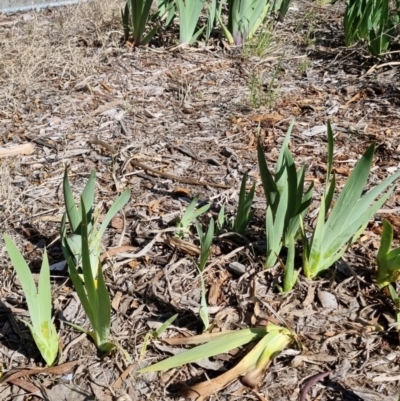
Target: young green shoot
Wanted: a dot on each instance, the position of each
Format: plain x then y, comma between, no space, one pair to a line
263,43
290,274
281,7
189,14
212,12
38,300
244,213
93,294
134,20
156,334
205,249
190,215
348,217
82,251
388,260
287,203
256,90
244,18
272,340
271,93
166,11
221,219
71,244
372,21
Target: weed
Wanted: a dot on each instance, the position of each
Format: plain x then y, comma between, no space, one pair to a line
262,44
257,96
304,66
190,215
308,22
205,249
272,91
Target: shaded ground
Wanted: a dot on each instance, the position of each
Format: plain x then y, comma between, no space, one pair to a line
69,87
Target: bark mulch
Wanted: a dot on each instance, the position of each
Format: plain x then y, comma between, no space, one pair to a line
170,123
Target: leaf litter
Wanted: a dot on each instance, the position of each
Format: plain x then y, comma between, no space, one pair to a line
67,82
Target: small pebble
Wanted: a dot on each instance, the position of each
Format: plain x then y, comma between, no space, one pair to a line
237,268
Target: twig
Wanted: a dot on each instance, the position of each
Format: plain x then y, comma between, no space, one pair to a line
160,173
24,149
311,382
377,67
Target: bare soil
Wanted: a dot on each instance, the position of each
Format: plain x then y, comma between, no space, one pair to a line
70,87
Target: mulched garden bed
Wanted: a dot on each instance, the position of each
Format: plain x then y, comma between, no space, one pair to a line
70,87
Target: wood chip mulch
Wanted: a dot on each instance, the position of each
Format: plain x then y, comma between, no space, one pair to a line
170,123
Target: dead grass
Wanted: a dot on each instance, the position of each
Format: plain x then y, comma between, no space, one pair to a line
8,202
33,51
71,45
264,44
6,191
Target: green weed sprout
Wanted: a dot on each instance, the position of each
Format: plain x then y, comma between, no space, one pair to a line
156,334
286,203
388,260
205,249
244,213
39,302
190,215
348,217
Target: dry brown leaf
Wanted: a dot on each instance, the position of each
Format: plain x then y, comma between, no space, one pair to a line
214,293
341,170
25,385
133,264
270,118
118,383
153,206
184,246
53,370
106,87
201,391
116,300
117,223
114,251
179,191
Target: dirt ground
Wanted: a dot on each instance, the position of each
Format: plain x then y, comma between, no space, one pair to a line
71,88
